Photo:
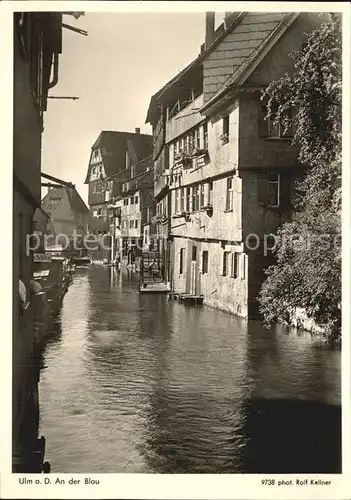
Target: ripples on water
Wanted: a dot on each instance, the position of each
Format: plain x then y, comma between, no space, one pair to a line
137,383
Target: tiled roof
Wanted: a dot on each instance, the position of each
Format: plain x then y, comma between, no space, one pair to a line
113,146
239,48
233,48
76,202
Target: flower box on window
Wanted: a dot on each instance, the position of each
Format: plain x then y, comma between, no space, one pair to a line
182,158
199,152
224,138
178,215
207,208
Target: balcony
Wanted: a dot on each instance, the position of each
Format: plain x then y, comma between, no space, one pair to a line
186,119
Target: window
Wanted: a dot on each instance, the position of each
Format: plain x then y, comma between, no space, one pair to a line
182,200
181,260
191,141
225,263
197,139
229,199
131,223
99,211
94,170
95,213
205,262
176,203
196,198
273,189
205,136
202,195
136,200
225,130
132,200
210,201
136,224
270,128
194,253
188,199
235,265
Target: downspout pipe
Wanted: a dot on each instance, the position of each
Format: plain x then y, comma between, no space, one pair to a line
55,76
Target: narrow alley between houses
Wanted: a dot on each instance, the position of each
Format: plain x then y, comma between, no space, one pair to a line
139,383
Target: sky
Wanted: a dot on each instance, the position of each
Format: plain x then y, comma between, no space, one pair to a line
124,60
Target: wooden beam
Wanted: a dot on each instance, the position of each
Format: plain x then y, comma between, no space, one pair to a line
73,28
47,184
59,181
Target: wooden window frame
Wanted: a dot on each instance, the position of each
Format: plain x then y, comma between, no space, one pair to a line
205,262
271,183
229,196
210,194
202,195
225,263
181,260
235,265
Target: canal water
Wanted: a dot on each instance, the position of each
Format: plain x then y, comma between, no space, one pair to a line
138,383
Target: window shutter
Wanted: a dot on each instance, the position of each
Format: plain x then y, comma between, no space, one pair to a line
262,188
262,123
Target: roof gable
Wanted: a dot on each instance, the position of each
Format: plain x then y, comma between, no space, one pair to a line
238,48
113,146
59,195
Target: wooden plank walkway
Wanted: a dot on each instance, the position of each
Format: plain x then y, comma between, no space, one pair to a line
187,298
152,287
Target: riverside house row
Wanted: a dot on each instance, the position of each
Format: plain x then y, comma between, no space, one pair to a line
115,159
224,174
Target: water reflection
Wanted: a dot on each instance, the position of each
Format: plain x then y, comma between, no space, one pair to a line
137,383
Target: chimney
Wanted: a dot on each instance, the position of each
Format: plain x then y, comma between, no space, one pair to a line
210,29
137,130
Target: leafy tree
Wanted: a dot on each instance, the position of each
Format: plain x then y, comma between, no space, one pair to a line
307,272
